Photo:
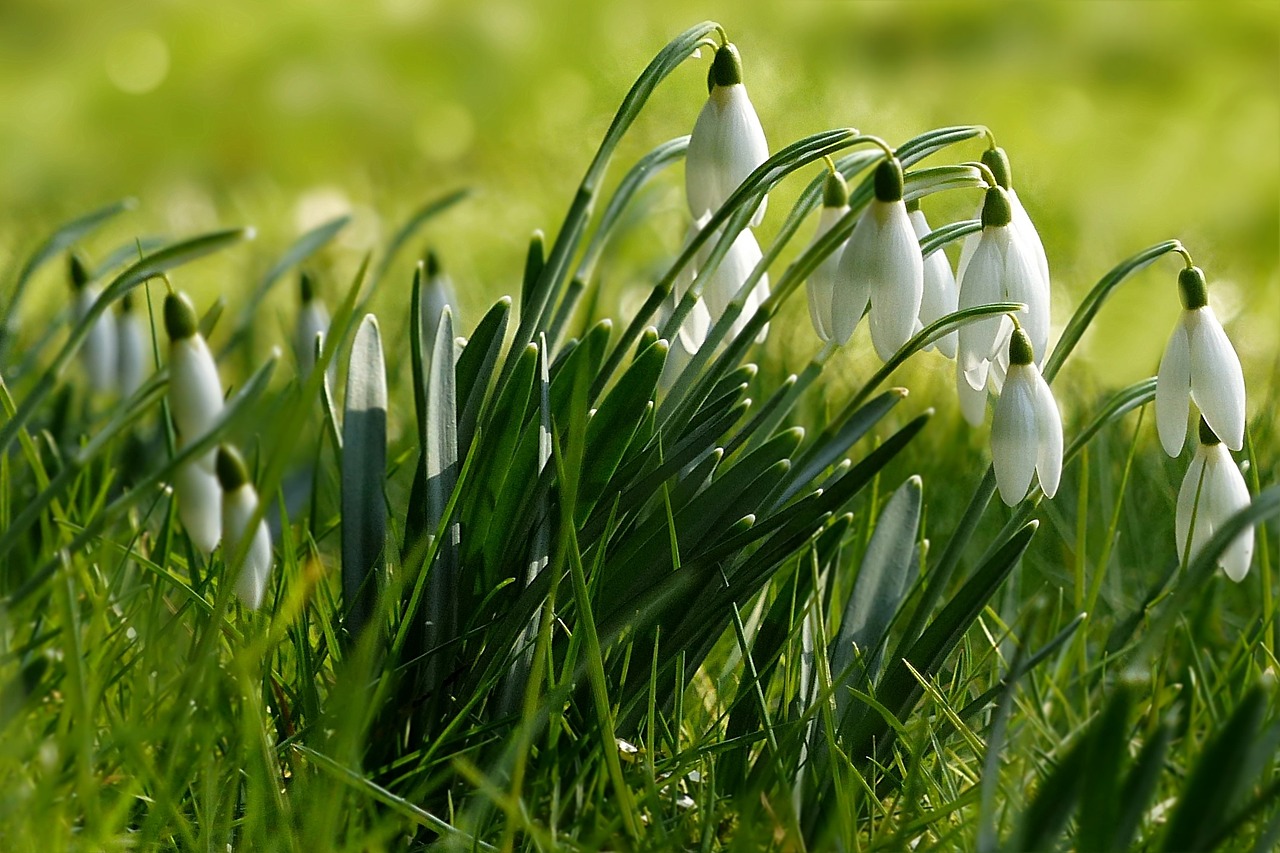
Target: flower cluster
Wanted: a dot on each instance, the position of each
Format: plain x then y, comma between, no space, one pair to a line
215,499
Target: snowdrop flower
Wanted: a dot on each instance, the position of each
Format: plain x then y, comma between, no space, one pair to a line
98,352
1026,429
313,319
881,265
1199,364
1212,492
195,401
940,296
697,324
727,142
822,281
131,348
437,294
727,279
250,549
1000,270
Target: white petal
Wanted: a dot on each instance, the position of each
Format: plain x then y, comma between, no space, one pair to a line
693,332
1173,387
238,508
1049,428
1227,494
853,286
728,278
1217,382
973,402
199,498
940,296
98,351
980,284
1030,238
1021,283
1187,505
195,391
969,246
131,354
822,281
1014,437
726,145
896,279
759,294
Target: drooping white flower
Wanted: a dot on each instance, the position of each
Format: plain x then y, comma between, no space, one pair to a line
199,499
940,296
1000,270
881,266
727,142
131,349
1026,429
313,319
723,284
821,284
692,333
98,351
247,552
1199,364
1024,230
1212,492
195,391
195,401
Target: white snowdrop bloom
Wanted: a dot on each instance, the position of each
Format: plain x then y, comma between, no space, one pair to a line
1026,429
881,266
1024,229
1212,492
313,319
940,296
199,499
239,504
1000,270
973,401
1199,364
727,142
697,324
131,349
98,351
195,391
723,284
821,284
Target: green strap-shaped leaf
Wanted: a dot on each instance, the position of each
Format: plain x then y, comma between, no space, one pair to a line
440,603
364,466
173,255
57,242
475,369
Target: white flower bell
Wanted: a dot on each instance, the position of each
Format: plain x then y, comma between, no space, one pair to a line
195,401
881,266
1199,364
821,285
1212,492
98,351
313,319
239,504
1001,269
940,296
720,288
131,349
727,142
1026,429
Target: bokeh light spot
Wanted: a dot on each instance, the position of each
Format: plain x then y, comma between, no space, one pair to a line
137,61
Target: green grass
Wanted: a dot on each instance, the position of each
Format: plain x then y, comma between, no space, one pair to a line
611,612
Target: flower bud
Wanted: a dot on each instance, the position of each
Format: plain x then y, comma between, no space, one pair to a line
248,552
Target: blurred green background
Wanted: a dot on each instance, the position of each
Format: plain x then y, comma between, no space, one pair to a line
1127,122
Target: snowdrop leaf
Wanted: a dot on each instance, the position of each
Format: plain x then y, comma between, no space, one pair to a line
364,465
475,369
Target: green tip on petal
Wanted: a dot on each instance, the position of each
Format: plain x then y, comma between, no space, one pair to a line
77,271
995,208
230,467
433,263
307,287
179,317
998,162
1207,436
889,180
835,192
1192,288
1020,349
726,68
